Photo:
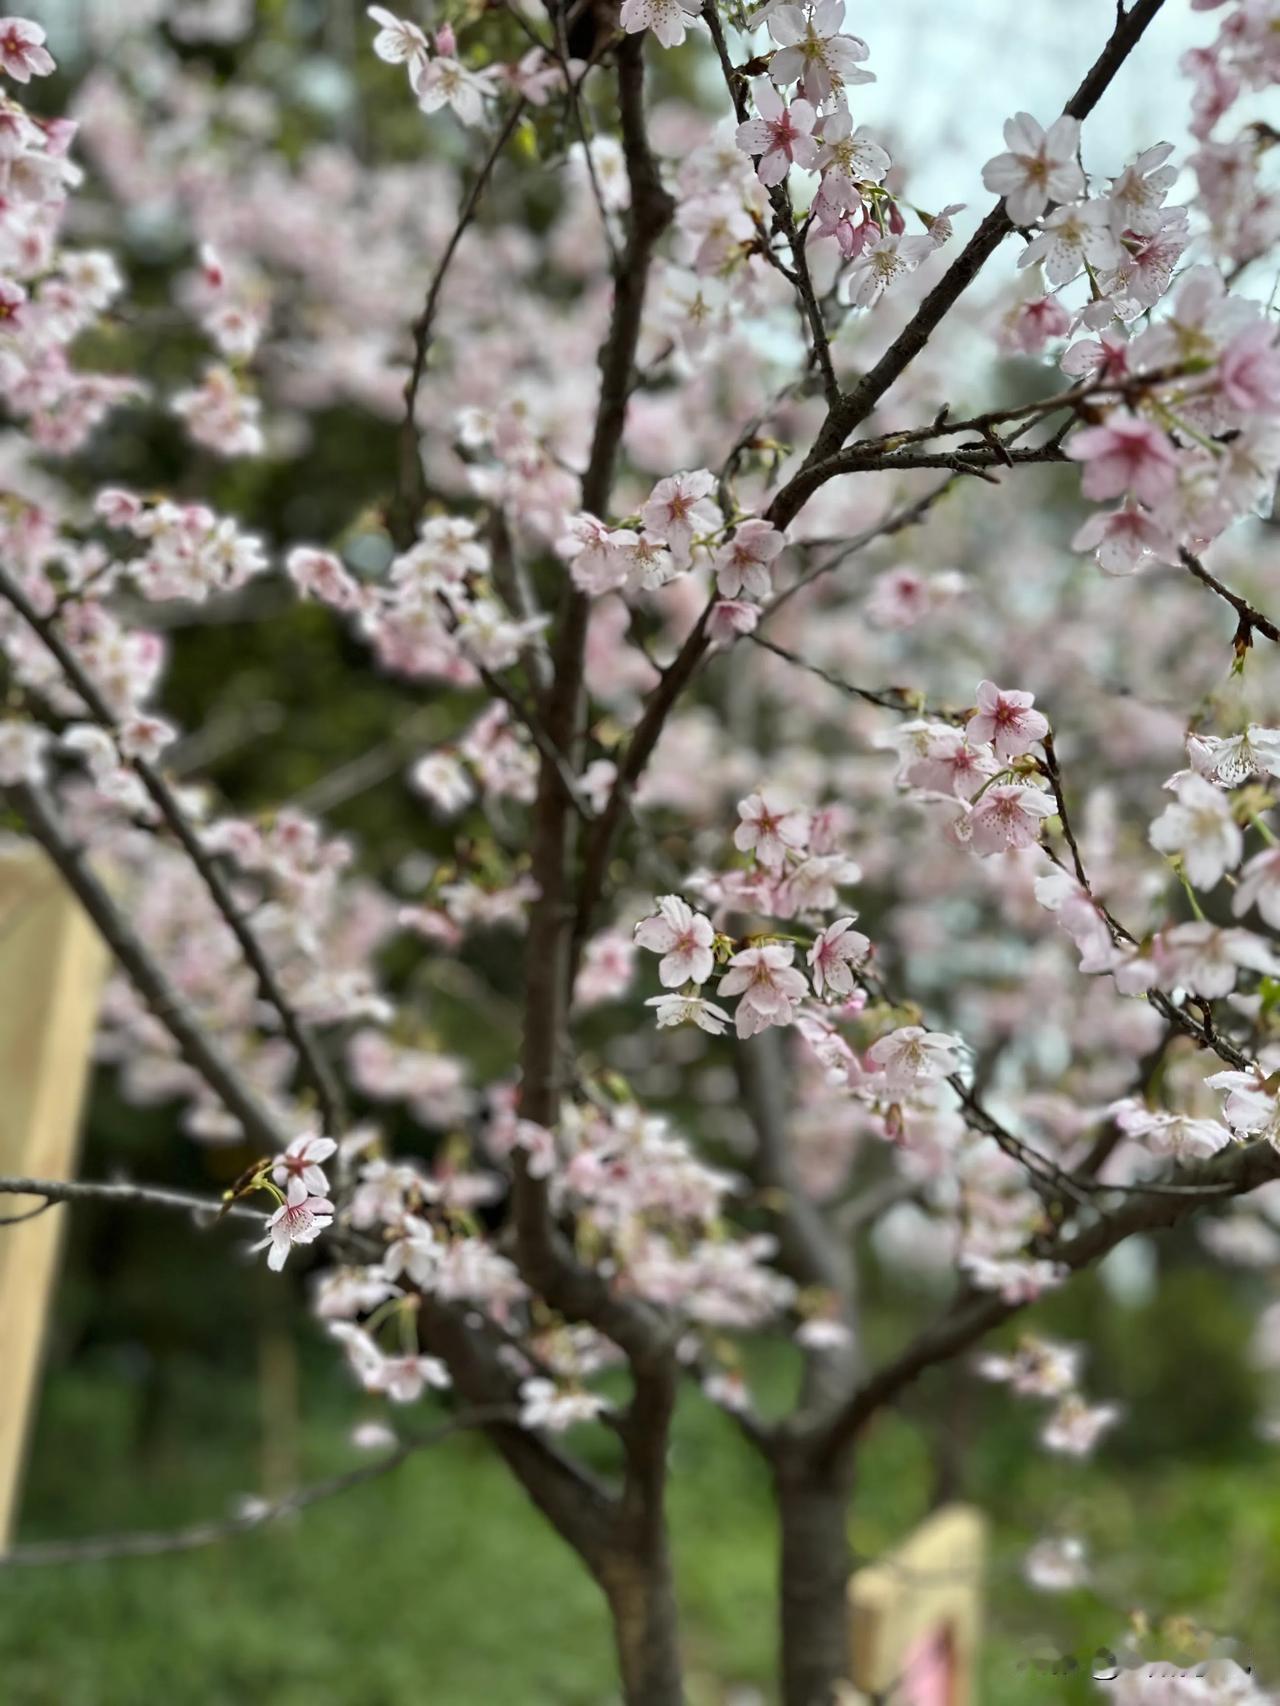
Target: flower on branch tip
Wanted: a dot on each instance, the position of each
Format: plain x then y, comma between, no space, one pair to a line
23,54
303,1160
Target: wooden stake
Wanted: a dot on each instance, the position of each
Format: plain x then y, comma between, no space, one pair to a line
51,970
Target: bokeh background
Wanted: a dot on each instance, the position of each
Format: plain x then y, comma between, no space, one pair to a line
180,1381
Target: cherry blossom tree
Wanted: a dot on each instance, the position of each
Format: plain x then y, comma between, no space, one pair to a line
793,739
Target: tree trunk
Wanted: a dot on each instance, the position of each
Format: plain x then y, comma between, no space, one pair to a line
638,1584
813,1502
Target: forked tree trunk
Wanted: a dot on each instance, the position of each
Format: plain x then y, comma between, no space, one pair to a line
813,1505
640,1589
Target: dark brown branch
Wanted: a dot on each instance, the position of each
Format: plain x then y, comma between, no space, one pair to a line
195,1046
315,1068
1239,1170
855,405
545,1259
1251,622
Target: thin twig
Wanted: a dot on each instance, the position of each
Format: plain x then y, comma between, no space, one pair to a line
158,1543
126,1195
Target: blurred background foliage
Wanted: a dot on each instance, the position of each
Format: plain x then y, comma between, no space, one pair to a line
179,1381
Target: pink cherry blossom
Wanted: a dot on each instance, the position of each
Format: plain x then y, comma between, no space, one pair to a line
911,1057
782,136
683,937
300,1219
768,984
1200,830
23,54
678,508
303,1160
1005,718
770,829
835,953
1040,166
1127,454
1005,819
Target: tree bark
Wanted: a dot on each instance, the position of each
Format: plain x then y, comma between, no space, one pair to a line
813,1501
639,1586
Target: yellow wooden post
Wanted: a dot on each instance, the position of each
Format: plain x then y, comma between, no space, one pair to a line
51,969
915,1616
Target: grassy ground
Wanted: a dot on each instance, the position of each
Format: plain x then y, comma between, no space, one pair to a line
437,1587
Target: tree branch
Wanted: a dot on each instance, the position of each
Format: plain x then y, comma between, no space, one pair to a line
316,1069
195,1046
1251,621
1232,1173
127,1195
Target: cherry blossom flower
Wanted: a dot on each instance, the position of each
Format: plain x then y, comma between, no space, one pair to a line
782,135
444,81
949,764
23,54
683,937
22,753
849,156
667,19
1127,454
300,1219
1206,959
1169,1133
1038,1368
912,1057
688,1010
1005,819
742,563
1071,237
1259,885
813,52
834,954
403,1378
730,618
1198,828
1005,718
768,984
1040,166
398,41
677,508
1248,373
1075,1427
769,829
1137,195
303,1160
1232,760
1125,540
880,262
543,1404
1250,1108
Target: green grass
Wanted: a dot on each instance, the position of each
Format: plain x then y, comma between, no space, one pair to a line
438,1586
